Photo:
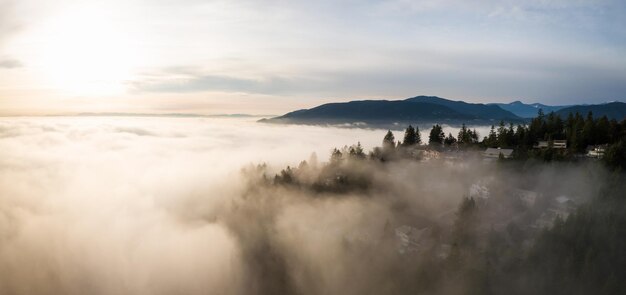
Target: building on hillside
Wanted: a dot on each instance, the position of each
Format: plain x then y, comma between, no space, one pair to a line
559,144
555,144
596,151
495,153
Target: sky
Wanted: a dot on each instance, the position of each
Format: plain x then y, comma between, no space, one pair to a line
274,56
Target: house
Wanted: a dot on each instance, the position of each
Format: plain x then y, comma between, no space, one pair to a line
596,151
496,152
559,144
555,144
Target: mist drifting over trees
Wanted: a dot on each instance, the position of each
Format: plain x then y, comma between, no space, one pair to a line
190,206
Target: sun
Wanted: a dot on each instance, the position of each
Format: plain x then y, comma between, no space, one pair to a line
85,52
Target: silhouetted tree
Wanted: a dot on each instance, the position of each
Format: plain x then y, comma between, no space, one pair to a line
615,155
588,131
410,137
389,142
335,156
418,135
436,136
492,139
462,137
450,140
356,151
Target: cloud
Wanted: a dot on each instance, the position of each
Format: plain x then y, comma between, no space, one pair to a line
123,211
10,63
207,83
489,50
88,203
479,74
189,79
8,22
556,52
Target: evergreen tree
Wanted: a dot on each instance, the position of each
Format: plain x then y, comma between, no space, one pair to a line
615,155
588,132
410,137
436,136
492,139
418,135
450,140
389,142
356,151
602,130
520,136
503,136
463,136
335,156
577,137
474,136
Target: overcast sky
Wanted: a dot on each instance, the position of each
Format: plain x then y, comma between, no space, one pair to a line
269,57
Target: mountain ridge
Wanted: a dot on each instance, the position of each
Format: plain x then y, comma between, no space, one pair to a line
424,109
386,113
529,110
612,110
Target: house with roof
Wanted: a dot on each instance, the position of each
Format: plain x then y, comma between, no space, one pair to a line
596,151
555,144
559,144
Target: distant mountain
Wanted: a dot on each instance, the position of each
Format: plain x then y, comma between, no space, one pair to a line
613,110
527,110
478,110
379,113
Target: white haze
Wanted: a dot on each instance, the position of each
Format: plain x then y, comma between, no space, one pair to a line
84,201
96,205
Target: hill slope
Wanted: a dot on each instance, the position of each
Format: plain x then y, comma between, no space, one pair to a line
479,110
613,110
420,109
523,110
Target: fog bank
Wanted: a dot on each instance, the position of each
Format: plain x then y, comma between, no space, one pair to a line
179,205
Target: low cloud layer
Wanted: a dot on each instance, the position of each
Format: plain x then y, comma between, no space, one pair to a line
162,205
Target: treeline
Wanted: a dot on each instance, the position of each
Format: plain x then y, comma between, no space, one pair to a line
584,253
578,132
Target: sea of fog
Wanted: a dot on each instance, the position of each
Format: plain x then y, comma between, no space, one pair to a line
226,143
126,205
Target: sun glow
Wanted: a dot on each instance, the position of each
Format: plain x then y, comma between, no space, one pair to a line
85,52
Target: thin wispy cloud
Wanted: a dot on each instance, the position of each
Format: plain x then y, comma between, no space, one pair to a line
10,63
550,51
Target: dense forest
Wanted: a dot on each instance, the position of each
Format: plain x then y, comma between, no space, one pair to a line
520,230
580,134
